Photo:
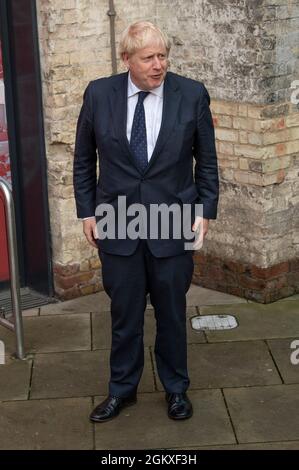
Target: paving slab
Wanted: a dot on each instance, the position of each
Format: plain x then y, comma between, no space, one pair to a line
51,333
284,445
194,336
292,297
99,302
263,414
147,426
46,425
30,312
14,379
281,351
9,339
75,374
238,364
101,329
198,296
256,321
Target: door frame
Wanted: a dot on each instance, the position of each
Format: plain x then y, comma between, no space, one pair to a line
38,278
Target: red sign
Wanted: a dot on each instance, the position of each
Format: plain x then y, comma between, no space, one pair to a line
4,173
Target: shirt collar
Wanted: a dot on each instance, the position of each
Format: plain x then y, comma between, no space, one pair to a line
133,89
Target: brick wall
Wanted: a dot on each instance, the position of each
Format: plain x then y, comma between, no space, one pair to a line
253,252
246,53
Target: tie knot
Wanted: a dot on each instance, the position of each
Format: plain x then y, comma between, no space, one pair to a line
142,95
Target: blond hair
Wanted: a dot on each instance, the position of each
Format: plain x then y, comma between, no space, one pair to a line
139,35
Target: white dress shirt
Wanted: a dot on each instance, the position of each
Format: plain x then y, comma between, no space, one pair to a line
153,107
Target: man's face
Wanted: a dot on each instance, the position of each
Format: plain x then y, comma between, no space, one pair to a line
148,66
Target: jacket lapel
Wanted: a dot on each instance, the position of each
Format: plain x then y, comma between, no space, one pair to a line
171,103
118,108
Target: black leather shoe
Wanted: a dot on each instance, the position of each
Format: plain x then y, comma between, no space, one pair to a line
111,407
179,406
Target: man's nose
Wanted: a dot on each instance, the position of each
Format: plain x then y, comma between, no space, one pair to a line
157,63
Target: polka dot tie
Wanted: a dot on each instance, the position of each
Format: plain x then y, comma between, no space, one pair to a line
138,142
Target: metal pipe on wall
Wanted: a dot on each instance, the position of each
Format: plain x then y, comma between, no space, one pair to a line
112,14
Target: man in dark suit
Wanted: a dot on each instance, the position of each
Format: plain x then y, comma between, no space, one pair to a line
147,126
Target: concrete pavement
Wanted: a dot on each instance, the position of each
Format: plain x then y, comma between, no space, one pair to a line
244,388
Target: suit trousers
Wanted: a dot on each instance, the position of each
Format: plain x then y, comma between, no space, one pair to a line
127,280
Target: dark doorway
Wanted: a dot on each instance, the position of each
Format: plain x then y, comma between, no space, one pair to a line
23,99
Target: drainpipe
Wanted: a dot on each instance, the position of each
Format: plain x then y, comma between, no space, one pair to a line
112,14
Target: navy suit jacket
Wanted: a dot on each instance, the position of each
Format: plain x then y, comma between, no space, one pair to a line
186,133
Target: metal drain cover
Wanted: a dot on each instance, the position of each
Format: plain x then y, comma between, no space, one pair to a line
214,322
